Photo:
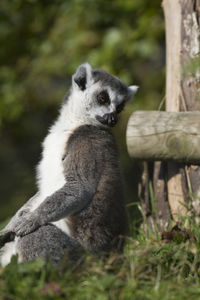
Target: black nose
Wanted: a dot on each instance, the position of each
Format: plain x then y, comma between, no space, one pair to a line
108,119
112,119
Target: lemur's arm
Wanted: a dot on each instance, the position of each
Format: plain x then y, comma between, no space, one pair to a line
81,182
71,198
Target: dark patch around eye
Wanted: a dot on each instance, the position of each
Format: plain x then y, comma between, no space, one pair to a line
103,98
120,107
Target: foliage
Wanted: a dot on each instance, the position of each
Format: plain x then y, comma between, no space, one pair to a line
42,43
149,269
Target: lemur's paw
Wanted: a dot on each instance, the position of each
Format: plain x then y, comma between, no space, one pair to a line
6,236
26,225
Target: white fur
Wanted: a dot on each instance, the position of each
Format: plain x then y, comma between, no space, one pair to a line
8,251
132,90
94,109
50,169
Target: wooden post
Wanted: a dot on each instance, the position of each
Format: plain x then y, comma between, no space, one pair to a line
182,45
182,19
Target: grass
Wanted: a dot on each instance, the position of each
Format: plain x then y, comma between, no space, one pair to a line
149,268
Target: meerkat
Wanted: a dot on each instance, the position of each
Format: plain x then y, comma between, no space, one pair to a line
80,200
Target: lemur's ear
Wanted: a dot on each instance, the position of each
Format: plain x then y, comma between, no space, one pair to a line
132,89
83,77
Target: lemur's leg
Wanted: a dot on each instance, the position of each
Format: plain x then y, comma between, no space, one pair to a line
47,242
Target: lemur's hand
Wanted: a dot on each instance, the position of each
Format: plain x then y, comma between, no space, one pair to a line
6,236
8,233
27,224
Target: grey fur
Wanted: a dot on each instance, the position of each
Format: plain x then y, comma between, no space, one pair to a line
48,242
98,227
109,80
92,196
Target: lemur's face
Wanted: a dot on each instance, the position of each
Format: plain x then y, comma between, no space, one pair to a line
103,96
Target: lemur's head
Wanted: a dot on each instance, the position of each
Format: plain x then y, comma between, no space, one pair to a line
100,94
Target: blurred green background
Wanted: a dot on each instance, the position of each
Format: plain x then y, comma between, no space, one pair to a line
42,43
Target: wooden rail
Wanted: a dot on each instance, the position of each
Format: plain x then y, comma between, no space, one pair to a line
159,135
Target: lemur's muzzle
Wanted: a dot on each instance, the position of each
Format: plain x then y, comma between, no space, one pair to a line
108,119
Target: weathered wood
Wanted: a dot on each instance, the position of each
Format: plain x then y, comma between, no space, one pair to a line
154,135
160,195
190,85
172,12
144,196
177,191
173,23
183,46
143,190
190,52
182,19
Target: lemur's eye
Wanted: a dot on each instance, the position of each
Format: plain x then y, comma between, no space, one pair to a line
103,98
120,107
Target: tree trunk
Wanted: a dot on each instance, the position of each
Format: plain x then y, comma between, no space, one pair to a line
182,182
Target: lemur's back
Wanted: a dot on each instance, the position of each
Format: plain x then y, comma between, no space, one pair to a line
98,226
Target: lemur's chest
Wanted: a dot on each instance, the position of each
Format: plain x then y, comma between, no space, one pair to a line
50,170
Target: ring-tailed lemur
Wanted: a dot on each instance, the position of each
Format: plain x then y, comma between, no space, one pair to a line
80,200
